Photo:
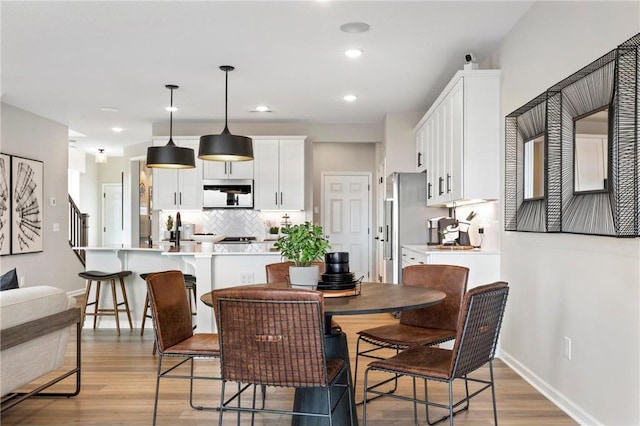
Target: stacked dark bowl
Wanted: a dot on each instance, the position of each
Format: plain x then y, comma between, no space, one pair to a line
336,274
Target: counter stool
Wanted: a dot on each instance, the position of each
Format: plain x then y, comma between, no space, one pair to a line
98,277
189,285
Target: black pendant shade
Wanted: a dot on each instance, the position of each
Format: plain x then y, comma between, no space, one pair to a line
225,146
170,156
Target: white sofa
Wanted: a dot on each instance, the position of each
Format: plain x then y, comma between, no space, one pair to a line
34,326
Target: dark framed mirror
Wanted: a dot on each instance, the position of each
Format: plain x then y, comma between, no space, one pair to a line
589,106
587,129
532,165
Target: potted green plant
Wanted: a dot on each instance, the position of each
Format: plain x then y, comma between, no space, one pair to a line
169,227
303,244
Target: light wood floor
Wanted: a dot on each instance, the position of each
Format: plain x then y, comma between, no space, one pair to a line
118,384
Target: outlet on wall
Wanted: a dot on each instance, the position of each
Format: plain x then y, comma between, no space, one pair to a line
567,347
246,277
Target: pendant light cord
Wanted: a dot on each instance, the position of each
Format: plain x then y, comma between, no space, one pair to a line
226,96
171,118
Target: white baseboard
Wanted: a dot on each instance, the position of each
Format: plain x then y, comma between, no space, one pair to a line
565,404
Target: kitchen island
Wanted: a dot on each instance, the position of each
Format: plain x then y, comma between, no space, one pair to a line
227,265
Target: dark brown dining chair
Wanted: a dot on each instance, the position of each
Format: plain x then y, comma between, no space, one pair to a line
478,329
174,332
427,326
279,272
275,337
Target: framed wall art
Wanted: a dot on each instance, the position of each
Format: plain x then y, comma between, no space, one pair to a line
26,205
5,204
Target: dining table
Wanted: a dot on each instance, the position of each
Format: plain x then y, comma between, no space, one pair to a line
366,298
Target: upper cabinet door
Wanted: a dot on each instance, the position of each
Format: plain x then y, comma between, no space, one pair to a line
266,169
291,175
190,181
228,169
215,169
240,169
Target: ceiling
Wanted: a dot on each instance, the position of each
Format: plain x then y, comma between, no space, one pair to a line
65,60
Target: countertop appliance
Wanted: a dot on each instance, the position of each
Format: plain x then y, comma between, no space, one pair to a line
237,240
405,219
227,193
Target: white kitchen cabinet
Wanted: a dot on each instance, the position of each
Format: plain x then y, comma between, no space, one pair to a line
484,267
178,189
279,174
459,139
227,170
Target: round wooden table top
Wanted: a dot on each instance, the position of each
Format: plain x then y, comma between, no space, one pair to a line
373,298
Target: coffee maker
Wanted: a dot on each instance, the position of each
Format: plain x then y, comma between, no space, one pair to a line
436,227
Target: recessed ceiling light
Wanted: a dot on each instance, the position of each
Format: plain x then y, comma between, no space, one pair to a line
355,27
117,129
171,109
109,109
353,53
262,108
349,98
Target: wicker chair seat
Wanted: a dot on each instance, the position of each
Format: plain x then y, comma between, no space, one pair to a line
418,361
400,336
205,344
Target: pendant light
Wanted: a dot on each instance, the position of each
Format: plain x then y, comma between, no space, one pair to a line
170,156
225,146
101,157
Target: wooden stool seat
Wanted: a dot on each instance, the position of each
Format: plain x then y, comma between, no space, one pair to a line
98,277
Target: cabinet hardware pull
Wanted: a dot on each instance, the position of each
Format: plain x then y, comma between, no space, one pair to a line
281,202
180,198
448,183
429,190
230,168
440,182
419,159
276,198
225,167
175,198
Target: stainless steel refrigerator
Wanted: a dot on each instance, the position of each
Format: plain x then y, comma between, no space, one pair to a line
405,218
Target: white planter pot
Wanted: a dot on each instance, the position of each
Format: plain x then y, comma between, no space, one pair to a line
304,276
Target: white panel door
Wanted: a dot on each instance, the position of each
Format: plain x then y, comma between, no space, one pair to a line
112,232
346,215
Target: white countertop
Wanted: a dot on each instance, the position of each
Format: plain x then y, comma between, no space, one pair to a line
254,248
426,249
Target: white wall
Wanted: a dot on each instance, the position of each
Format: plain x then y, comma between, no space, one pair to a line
31,136
583,287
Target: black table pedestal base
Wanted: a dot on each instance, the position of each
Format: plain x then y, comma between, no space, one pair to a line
314,400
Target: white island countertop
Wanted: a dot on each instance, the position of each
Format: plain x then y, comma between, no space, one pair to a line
253,248
427,249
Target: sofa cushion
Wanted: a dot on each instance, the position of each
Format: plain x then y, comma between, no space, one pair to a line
9,280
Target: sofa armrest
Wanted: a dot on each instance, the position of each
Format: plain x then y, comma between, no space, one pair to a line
24,332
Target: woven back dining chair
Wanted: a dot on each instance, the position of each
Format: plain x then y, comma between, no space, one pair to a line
275,337
427,326
174,332
477,330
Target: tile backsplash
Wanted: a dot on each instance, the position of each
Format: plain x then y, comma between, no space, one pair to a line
232,222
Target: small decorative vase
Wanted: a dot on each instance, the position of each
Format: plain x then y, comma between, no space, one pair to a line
304,276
